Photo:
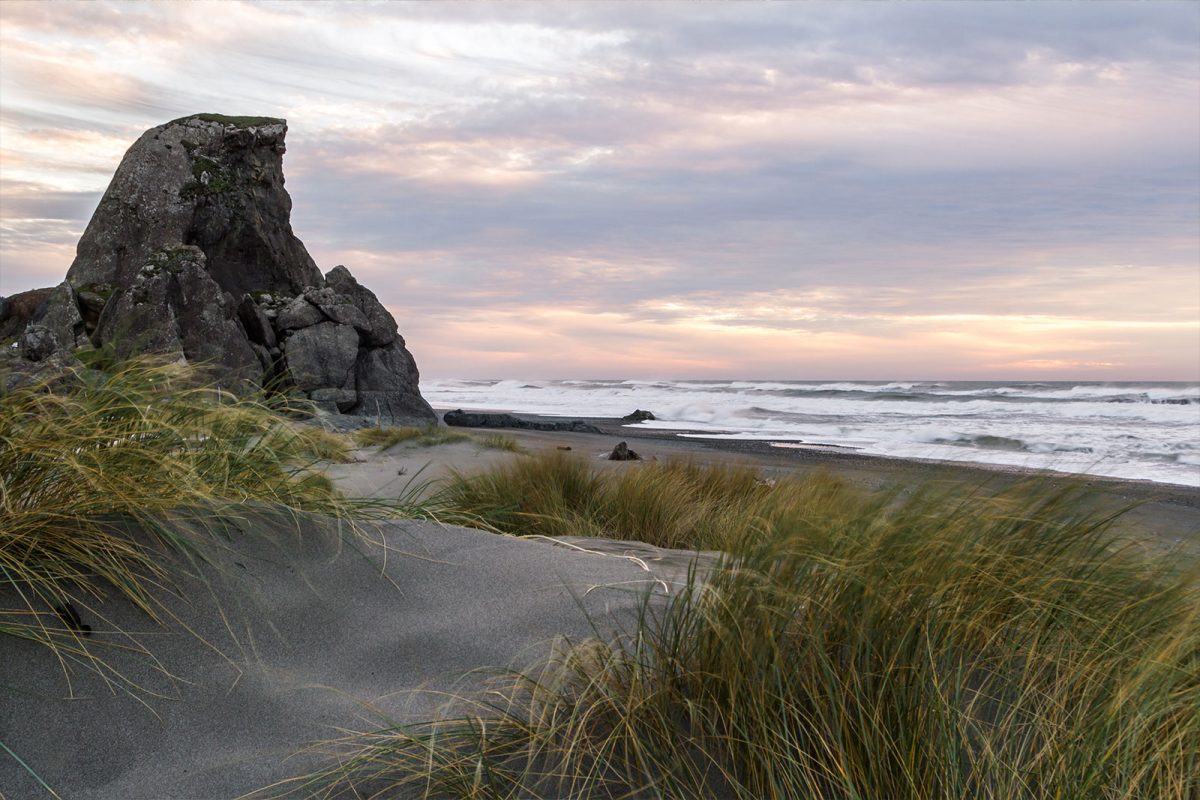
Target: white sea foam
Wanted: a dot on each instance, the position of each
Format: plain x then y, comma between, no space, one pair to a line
1147,431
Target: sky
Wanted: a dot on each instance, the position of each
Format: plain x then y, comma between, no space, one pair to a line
986,191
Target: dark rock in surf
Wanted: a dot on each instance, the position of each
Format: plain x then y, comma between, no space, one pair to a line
472,419
638,416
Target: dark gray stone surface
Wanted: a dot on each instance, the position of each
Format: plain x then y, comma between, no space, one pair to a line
622,453
299,313
381,326
37,343
191,254
258,326
173,306
387,385
201,180
63,318
322,356
475,419
338,308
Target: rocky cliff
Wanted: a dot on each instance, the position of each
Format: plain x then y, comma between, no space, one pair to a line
191,253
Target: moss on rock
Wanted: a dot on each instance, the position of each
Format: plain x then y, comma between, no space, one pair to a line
224,119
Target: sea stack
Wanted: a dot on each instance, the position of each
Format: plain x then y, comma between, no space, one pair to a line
191,253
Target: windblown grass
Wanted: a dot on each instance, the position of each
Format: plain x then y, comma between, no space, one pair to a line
146,447
945,645
676,504
329,446
385,437
500,441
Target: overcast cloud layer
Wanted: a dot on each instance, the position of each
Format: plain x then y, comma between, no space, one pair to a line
963,190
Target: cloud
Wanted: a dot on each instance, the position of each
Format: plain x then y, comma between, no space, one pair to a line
718,184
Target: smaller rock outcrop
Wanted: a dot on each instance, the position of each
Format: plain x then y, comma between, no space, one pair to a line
638,416
472,419
35,357
19,310
622,453
172,306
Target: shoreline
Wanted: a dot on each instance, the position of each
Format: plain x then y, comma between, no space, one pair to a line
1164,515
814,456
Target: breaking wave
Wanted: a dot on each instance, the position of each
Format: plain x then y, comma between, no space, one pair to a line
1147,431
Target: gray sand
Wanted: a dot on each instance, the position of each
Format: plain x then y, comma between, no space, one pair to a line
1162,516
319,639
297,639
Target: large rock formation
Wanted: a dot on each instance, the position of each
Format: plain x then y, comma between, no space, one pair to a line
191,253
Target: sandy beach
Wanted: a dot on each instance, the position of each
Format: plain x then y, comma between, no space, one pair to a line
688,402
1164,515
290,636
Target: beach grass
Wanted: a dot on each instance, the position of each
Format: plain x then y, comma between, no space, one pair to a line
384,437
673,504
105,477
945,643
500,441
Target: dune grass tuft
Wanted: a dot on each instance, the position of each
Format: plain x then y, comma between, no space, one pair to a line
385,437
85,462
329,446
674,504
500,441
946,644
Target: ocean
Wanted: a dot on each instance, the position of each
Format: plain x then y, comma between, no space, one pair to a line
1147,431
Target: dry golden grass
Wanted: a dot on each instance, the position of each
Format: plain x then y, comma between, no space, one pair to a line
145,447
948,644
385,437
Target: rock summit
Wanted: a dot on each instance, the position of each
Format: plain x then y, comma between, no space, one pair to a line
191,253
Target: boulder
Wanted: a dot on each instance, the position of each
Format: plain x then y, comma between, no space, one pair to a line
299,313
59,368
334,400
337,308
638,416
37,343
256,323
387,385
322,356
91,299
380,325
63,318
622,453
